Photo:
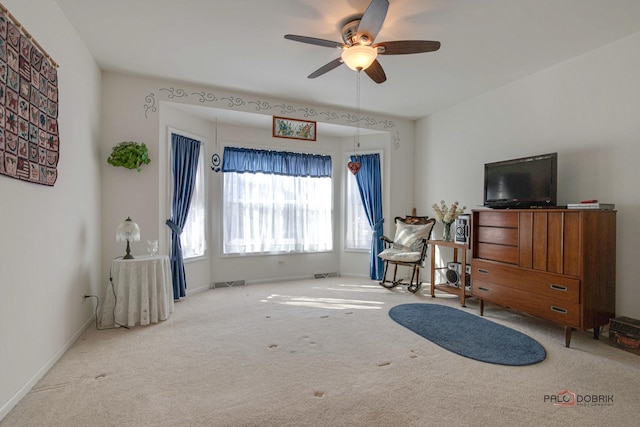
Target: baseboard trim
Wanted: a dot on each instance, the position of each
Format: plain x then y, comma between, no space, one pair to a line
198,290
279,279
26,388
241,282
325,275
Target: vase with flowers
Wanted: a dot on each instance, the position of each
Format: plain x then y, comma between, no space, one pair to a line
447,215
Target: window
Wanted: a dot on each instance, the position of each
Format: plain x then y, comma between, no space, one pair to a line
193,237
266,210
358,230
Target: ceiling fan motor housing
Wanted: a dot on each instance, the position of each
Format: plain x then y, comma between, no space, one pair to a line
350,32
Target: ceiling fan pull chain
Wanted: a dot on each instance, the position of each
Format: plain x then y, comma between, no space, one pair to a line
357,139
355,165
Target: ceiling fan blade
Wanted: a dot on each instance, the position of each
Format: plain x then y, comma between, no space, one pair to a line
376,72
371,21
313,40
404,47
326,68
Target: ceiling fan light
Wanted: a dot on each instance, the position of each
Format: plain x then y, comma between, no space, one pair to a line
359,57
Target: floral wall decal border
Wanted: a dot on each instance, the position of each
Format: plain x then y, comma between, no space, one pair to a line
205,97
396,140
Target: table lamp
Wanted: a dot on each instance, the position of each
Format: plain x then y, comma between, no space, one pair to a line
129,231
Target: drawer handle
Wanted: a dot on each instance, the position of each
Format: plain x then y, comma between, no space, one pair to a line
483,271
559,309
559,287
483,289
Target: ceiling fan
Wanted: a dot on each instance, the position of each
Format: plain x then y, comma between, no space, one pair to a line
358,51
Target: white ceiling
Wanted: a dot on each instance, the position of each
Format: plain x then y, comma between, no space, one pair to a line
239,45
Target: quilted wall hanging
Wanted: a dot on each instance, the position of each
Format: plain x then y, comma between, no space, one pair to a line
29,142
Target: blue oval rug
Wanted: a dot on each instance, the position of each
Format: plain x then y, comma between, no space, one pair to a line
469,335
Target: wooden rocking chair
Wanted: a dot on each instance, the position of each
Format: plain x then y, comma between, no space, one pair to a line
408,248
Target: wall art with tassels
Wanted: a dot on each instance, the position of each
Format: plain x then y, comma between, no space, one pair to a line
29,141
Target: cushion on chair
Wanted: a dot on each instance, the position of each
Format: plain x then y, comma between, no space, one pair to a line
409,237
393,254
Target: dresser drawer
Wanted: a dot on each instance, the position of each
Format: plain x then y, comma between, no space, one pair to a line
497,219
498,235
563,312
495,252
537,283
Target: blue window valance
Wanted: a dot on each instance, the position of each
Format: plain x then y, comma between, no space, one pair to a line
246,160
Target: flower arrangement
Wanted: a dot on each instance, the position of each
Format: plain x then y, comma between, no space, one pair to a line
447,214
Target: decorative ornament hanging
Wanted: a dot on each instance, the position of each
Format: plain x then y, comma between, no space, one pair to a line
354,167
215,162
215,159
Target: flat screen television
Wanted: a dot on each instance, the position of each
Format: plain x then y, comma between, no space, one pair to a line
521,183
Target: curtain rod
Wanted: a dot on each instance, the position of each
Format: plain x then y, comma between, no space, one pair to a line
27,35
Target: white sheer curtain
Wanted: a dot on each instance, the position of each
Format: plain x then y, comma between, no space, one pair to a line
267,213
358,230
193,237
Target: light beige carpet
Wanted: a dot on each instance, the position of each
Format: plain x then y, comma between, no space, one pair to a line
320,353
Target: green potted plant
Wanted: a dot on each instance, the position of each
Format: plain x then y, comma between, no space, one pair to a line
130,155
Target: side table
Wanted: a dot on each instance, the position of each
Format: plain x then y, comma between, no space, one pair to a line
459,253
143,292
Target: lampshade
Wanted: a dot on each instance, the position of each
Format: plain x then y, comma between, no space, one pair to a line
359,57
128,231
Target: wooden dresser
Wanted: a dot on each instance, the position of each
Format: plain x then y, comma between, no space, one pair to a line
559,264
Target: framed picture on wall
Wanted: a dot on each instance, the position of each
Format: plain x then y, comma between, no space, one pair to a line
294,128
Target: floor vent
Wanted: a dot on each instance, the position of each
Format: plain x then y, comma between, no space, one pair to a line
229,284
324,275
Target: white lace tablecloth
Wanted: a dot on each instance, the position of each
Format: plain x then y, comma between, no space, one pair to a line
143,289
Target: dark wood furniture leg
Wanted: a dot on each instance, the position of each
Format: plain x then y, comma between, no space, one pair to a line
567,335
596,333
384,278
433,270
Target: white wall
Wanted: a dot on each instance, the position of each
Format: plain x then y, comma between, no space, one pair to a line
587,109
49,249
139,108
